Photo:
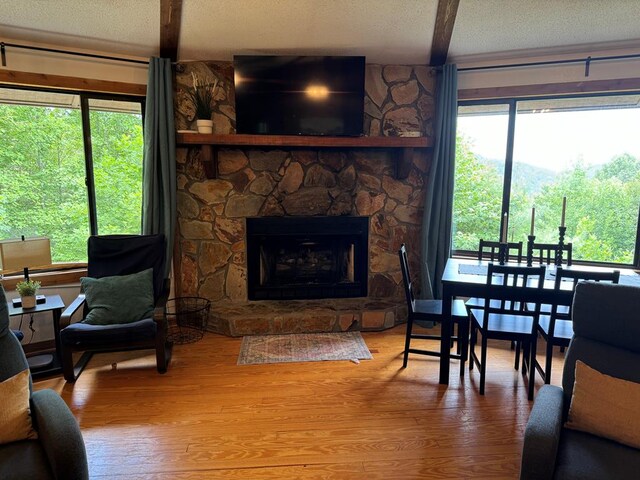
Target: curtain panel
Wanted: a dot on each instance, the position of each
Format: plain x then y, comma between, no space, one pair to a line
159,164
438,205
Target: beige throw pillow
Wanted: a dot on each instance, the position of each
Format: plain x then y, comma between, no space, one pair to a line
15,418
605,406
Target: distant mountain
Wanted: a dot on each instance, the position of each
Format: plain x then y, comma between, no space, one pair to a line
531,178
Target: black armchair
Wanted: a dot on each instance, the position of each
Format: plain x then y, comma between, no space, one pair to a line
112,255
607,338
59,451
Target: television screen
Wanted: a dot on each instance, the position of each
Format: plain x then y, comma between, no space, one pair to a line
289,95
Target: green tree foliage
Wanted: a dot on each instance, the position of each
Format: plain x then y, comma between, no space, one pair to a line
42,184
601,216
477,199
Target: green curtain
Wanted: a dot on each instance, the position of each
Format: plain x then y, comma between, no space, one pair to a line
159,165
438,205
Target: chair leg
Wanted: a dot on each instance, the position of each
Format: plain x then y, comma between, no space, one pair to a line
407,342
472,344
463,343
526,353
67,364
517,361
483,363
547,362
532,368
163,352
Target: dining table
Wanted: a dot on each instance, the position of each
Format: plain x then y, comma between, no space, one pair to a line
465,277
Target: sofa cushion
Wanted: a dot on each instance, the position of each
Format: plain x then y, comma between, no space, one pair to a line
582,456
26,459
85,334
119,299
15,414
605,406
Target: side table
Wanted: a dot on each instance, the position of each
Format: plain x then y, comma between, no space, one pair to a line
55,305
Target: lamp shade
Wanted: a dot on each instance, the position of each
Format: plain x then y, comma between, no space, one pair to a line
28,253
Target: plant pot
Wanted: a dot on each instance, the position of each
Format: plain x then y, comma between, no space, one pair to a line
205,126
28,301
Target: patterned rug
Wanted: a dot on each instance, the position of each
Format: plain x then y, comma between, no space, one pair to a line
308,347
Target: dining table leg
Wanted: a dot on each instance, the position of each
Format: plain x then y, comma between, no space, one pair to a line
445,335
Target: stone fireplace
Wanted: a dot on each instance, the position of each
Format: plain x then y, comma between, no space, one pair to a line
307,257
215,216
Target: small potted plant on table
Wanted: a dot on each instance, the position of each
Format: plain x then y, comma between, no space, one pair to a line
27,290
202,98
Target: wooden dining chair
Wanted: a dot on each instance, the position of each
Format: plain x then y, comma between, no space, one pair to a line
505,316
556,326
545,253
431,311
489,250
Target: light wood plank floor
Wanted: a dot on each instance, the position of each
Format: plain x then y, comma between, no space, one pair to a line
209,418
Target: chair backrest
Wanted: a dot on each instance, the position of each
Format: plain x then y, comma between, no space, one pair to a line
513,289
111,255
568,280
606,325
12,358
545,253
406,277
489,250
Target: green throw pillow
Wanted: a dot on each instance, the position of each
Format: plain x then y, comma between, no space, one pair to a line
119,299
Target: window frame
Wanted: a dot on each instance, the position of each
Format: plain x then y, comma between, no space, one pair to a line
512,103
89,181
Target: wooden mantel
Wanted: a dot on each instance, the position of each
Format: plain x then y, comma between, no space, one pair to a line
209,144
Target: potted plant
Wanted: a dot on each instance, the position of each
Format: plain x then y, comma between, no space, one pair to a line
202,98
27,290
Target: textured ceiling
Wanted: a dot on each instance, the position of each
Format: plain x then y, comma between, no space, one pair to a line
385,31
128,27
490,26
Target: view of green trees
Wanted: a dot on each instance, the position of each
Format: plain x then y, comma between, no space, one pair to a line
42,185
602,205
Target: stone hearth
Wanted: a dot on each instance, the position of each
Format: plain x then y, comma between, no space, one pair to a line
302,182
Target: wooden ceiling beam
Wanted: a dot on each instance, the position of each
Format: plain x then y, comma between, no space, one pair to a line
445,19
170,16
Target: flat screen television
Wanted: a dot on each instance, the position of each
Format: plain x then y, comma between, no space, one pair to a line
291,95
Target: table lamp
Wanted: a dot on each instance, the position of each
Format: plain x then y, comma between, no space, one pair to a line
23,254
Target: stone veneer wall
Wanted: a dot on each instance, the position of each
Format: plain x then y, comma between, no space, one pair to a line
271,182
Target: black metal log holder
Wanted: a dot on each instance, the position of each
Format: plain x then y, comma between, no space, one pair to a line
503,252
530,240
560,251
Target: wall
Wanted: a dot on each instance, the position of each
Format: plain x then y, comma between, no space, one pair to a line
254,182
599,70
32,61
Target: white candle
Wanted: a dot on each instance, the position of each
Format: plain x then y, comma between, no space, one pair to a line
505,221
533,219
564,210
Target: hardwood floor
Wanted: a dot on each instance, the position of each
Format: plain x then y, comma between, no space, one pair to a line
209,418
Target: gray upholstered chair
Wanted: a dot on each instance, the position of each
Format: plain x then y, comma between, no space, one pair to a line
59,451
606,323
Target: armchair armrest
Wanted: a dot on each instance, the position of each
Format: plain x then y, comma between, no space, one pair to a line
60,436
159,309
542,435
65,318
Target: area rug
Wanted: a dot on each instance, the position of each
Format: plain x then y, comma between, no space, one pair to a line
307,347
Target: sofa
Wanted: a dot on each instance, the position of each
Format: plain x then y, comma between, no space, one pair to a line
606,322
59,451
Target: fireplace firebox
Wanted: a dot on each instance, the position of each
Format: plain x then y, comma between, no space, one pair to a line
307,257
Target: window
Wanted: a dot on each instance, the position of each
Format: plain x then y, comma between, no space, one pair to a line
55,182
512,155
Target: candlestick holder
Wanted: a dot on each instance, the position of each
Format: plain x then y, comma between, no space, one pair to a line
503,250
560,251
530,240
